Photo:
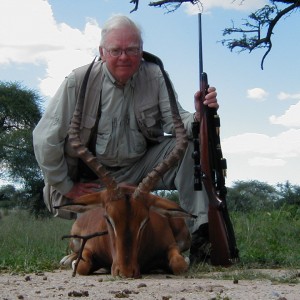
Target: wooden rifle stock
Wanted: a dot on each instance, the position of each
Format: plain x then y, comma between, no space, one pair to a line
213,167
224,251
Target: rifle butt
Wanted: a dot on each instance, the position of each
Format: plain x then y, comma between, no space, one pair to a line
220,254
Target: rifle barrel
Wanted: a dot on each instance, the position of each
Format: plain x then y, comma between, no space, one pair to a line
200,45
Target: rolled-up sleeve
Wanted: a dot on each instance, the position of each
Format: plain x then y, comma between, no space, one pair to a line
50,134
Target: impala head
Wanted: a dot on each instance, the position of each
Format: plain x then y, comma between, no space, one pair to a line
127,209
127,221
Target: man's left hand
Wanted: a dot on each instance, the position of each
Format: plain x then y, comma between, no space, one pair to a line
210,101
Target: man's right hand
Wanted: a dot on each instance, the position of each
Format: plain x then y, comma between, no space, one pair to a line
80,189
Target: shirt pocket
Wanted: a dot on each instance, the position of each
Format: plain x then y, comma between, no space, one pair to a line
136,141
151,119
88,121
104,134
150,115
84,132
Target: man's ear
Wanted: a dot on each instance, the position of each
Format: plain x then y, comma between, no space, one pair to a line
101,53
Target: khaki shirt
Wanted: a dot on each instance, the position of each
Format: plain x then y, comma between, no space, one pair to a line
119,139
129,118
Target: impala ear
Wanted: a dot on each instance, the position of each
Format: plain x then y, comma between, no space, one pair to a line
173,213
95,199
167,207
74,208
85,203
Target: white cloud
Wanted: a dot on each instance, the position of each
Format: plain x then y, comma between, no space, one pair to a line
290,118
258,94
34,36
247,5
284,145
266,162
262,157
285,96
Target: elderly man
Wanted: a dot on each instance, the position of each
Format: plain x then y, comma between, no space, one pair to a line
125,116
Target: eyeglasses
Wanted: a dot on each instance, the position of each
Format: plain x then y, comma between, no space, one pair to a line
116,52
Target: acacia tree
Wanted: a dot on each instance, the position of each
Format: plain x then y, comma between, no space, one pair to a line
251,195
19,114
290,194
256,31
169,5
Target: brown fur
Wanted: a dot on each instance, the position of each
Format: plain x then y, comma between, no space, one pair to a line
128,249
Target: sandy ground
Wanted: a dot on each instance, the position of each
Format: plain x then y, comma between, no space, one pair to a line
61,285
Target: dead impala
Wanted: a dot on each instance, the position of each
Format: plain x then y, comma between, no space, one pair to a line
127,228
143,234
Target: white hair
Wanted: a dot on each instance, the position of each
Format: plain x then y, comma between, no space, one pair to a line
116,22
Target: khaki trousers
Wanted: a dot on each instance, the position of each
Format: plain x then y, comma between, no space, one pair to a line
180,178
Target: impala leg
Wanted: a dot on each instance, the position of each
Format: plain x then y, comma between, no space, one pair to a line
79,256
177,263
84,264
85,255
181,234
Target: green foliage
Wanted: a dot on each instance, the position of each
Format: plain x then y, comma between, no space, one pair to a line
251,196
7,191
171,195
8,196
31,245
19,107
266,221
265,239
268,238
290,194
19,113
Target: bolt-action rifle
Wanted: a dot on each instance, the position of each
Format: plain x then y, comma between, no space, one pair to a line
210,169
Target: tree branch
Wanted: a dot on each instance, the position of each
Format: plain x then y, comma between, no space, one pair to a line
262,18
166,3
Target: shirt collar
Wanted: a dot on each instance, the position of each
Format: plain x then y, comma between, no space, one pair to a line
130,82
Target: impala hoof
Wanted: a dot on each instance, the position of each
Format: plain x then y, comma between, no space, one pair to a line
68,260
179,265
187,260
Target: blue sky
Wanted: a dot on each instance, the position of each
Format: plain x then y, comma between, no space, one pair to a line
42,41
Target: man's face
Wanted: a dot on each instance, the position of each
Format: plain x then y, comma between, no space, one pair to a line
122,67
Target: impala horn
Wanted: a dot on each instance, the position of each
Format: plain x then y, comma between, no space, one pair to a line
82,151
149,182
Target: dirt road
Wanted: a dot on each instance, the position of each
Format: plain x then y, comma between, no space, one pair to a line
61,285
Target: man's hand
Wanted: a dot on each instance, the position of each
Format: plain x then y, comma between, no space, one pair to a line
210,101
80,189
